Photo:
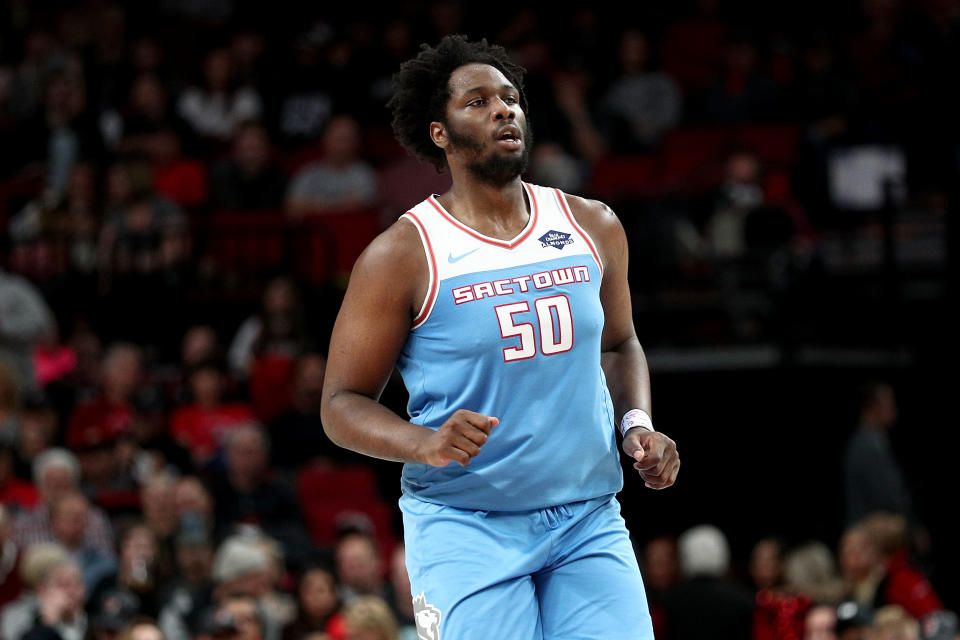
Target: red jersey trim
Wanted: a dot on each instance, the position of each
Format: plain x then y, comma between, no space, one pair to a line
573,221
430,300
503,244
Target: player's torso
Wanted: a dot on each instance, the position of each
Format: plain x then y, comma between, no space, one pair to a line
512,329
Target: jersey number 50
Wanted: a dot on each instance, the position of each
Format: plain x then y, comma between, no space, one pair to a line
554,319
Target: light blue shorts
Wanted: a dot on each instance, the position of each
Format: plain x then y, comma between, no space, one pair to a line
566,572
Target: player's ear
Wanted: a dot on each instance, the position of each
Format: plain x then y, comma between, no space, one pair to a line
438,133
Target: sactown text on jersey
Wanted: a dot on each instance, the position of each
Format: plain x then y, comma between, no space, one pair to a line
521,284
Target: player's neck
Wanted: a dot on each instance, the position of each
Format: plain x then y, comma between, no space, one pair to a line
496,211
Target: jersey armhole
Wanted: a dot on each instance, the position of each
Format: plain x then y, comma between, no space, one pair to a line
565,207
432,286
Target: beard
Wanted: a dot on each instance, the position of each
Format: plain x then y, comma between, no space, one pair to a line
496,169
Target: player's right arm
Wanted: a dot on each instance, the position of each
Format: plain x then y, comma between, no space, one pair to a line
386,290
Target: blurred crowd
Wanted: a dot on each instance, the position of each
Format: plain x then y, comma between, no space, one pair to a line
172,175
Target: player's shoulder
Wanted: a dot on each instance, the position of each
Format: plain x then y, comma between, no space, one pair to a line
396,251
596,217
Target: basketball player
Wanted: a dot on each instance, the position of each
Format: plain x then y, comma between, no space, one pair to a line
506,308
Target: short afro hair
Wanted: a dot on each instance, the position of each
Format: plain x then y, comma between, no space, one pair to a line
421,89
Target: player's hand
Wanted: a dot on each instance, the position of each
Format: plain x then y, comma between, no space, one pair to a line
655,456
458,440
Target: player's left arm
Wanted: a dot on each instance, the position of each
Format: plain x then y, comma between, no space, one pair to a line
624,364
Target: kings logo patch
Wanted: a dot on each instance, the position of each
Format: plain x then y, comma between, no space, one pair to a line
427,618
557,239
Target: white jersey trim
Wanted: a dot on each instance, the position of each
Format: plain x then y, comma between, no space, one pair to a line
433,285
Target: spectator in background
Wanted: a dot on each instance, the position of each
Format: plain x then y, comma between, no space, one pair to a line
902,584
11,582
861,565
191,590
369,618
873,478
194,503
182,179
661,572
143,629
143,232
641,105
318,606
742,93
705,605
134,128
24,319
766,564
809,570
202,425
401,602
820,623
56,472
55,604
297,436
136,572
360,567
215,110
249,179
101,420
16,493
340,180
39,426
113,613
247,494
893,623
69,515
278,329
158,500
9,404
242,568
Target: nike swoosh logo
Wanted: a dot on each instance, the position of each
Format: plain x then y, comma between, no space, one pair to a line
460,257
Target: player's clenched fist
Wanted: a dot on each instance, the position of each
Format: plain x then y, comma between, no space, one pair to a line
458,440
655,456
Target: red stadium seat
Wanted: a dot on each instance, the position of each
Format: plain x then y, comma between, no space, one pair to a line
270,384
773,143
616,177
347,232
320,483
247,241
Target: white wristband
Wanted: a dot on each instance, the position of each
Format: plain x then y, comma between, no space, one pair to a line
636,418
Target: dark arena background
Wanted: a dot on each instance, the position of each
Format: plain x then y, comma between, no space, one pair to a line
184,187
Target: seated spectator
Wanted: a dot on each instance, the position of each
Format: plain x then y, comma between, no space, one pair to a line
242,568
902,584
69,515
401,603
11,582
136,572
55,603
194,503
111,615
318,606
809,570
202,425
742,93
340,180
660,574
55,473
182,179
820,623
297,436
9,403
143,232
39,426
640,105
143,629
705,604
249,179
247,493
158,500
108,415
360,567
893,623
26,319
277,329
134,127
766,564
190,592
369,618
17,493
216,109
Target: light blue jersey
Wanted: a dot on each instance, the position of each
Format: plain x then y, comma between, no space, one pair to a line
512,329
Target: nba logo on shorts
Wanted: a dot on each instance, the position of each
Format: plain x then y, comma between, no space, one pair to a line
427,617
